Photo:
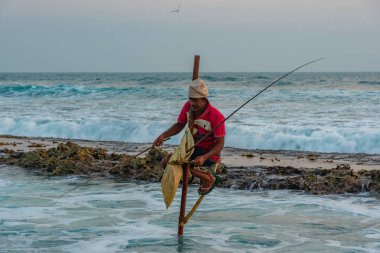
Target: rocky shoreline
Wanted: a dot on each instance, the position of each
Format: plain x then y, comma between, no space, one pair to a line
316,173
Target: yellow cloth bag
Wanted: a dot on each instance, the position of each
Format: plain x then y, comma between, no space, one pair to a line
173,171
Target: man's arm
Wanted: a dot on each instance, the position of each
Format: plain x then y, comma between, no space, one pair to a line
173,130
216,150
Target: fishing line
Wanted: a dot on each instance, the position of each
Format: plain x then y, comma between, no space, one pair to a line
229,116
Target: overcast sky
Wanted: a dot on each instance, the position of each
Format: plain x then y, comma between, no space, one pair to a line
230,35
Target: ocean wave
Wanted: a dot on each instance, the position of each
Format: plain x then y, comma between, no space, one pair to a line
88,129
216,78
233,77
273,137
320,139
369,82
41,90
68,90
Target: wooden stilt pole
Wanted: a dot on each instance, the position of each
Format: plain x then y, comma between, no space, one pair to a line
182,211
185,169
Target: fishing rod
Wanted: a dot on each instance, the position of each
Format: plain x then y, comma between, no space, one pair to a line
149,148
96,176
229,116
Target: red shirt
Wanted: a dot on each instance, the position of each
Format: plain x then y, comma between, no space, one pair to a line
208,120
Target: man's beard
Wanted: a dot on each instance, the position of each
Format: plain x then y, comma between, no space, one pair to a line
194,108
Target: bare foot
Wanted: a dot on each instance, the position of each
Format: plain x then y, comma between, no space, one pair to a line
207,184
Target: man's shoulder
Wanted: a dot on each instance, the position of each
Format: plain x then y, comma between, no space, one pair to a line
215,111
186,104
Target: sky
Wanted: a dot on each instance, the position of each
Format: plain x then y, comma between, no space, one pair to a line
230,35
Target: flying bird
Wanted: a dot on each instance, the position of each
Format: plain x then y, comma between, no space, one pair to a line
176,10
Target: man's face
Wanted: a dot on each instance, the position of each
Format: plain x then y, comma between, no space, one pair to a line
197,104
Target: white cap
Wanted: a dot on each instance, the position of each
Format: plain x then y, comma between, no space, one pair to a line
198,89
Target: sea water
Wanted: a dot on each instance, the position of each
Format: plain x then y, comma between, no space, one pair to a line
326,112
110,216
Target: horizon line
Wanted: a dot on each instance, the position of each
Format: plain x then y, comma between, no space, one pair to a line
135,72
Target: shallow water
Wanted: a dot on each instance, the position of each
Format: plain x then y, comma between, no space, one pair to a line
109,216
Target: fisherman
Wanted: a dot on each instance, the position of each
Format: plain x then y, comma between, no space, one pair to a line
202,118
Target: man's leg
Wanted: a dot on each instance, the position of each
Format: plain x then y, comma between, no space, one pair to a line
207,180
165,160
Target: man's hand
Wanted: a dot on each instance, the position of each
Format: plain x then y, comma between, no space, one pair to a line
159,141
199,160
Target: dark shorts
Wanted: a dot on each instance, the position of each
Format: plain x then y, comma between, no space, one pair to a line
198,152
209,165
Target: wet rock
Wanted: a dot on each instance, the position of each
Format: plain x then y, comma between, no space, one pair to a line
339,180
36,145
70,158
370,180
67,158
146,169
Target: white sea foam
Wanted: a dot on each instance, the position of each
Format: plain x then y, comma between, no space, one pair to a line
131,217
308,138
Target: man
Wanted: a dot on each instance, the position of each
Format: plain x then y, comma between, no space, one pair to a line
202,118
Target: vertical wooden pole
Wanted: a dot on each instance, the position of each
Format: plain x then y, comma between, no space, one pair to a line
185,169
182,211
196,67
